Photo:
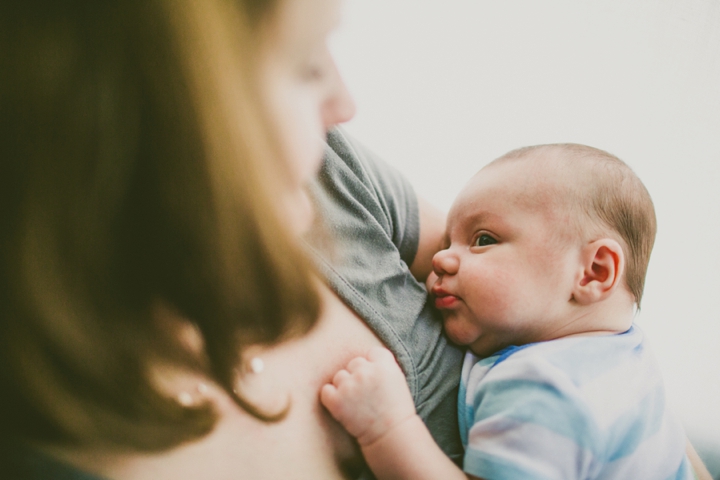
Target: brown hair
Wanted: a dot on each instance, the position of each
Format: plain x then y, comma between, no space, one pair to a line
613,195
136,171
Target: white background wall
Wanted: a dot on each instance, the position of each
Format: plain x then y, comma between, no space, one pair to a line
443,87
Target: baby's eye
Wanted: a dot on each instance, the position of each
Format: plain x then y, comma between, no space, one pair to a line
483,240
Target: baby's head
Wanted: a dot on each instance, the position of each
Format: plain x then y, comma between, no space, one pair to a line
544,242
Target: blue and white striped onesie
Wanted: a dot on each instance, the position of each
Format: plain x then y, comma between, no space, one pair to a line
574,408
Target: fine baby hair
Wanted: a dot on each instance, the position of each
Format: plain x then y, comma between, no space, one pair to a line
602,193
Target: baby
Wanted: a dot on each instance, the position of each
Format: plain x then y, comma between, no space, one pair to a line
543,264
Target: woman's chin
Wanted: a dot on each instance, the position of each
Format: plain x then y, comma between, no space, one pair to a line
299,212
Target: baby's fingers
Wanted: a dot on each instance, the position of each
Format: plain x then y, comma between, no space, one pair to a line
356,364
340,377
330,398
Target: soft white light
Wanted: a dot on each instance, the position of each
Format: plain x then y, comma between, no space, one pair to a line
442,88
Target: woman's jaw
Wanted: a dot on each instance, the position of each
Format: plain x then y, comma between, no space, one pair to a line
305,94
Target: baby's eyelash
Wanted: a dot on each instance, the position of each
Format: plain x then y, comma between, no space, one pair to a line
483,240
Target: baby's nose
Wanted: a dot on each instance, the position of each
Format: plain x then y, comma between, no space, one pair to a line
445,263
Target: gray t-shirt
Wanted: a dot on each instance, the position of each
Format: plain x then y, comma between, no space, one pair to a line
370,213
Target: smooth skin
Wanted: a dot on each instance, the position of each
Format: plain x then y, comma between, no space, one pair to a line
371,400
502,234
513,272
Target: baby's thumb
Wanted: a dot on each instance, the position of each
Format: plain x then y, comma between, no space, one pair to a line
329,397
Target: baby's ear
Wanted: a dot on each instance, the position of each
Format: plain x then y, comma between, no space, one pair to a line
603,264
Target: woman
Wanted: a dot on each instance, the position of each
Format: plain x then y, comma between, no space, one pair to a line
150,264
152,294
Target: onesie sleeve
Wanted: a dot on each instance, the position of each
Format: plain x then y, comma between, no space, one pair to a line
530,423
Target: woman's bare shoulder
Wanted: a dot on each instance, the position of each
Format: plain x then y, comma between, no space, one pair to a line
306,444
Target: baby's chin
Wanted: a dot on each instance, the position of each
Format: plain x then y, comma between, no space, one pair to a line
459,333
481,342
485,346
454,333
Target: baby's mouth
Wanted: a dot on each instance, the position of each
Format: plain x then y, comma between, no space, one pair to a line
443,299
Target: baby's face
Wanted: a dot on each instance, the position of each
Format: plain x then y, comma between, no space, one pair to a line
507,272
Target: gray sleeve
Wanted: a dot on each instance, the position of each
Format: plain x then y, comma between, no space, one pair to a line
385,189
370,213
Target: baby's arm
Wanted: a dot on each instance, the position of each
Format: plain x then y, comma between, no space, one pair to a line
372,401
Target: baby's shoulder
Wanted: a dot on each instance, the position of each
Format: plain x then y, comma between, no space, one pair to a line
599,398
582,361
606,381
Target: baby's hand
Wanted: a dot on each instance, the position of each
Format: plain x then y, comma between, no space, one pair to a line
370,397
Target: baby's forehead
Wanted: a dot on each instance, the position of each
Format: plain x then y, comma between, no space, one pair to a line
548,166
538,183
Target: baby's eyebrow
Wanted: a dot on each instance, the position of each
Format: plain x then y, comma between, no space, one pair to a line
477,217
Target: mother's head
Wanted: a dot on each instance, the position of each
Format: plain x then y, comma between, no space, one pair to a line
154,154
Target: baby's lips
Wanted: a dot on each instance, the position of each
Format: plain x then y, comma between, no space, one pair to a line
443,298
445,301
